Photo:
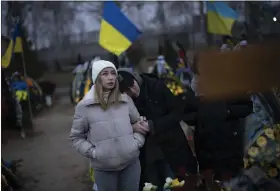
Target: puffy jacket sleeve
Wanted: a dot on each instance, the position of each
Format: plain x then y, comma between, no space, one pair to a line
133,112
134,116
78,134
175,110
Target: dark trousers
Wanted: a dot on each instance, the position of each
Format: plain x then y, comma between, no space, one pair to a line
180,158
177,152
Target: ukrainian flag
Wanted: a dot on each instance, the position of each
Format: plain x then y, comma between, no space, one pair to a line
117,32
220,18
15,46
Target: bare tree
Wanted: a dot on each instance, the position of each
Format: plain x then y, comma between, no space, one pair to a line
95,9
160,15
14,11
174,10
133,9
181,9
51,21
4,10
81,28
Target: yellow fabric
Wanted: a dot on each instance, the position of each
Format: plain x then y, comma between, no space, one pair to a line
21,95
217,24
91,174
77,100
87,86
172,82
18,45
6,59
17,48
111,40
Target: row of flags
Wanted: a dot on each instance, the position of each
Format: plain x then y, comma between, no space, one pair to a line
117,32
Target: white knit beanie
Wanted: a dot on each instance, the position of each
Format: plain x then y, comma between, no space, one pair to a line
98,66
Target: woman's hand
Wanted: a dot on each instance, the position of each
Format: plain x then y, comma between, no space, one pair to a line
142,118
138,128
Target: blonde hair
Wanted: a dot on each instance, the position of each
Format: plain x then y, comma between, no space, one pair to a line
114,95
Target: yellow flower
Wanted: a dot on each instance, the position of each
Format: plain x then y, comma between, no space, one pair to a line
251,160
261,141
253,151
173,183
176,183
180,90
272,172
246,162
270,133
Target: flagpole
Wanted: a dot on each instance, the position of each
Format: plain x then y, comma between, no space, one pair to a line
28,90
28,95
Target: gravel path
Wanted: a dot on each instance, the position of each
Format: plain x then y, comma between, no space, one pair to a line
49,161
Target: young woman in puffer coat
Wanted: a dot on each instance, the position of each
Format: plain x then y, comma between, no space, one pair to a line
102,131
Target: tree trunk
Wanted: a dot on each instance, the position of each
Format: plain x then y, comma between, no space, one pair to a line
161,16
34,26
209,37
57,28
14,12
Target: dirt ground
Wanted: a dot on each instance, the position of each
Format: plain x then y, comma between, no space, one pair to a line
49,161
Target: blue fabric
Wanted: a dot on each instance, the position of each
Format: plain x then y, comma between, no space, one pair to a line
257,120
221,9
20,85
260,113
113,15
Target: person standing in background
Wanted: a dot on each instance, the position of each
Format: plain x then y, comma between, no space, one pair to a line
219,134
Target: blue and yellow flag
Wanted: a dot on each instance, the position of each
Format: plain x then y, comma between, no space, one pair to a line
15,46
220,18
117,32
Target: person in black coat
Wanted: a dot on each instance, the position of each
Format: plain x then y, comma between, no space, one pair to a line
219,134
166,140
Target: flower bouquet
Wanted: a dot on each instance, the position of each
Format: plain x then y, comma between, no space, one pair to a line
169,184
